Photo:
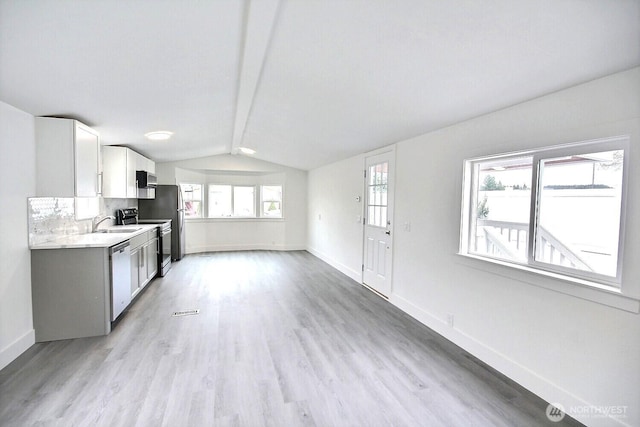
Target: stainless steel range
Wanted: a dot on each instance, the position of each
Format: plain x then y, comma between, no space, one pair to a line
130,216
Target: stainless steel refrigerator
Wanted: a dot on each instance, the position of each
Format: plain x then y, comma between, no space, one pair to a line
167,205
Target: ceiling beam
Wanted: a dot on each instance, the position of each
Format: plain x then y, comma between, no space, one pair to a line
261,17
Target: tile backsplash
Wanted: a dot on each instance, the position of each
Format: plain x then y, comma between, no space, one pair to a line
110,206
53,217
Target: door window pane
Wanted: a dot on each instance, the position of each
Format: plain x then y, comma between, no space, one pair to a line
377,194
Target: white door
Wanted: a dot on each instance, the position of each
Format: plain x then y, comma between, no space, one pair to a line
377,259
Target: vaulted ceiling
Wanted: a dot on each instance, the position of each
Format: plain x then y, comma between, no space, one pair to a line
303,82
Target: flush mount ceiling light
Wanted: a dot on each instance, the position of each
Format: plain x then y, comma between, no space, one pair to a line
161,135
245,150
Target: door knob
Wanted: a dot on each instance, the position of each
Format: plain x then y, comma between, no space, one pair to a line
388,232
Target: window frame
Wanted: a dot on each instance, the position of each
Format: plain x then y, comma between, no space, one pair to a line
262,200
233,197
208,216
184,200
233,201
469,203
373,220
257,202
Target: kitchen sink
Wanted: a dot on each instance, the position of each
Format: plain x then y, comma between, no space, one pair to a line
119,230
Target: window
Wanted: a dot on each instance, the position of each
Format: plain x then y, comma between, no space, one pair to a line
244,201
558,209
231,201
220,201
192,200
271,201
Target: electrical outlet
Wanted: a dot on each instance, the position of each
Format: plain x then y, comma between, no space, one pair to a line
450,319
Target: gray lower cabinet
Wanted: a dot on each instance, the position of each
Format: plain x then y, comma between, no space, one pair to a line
151,253
144,260
71,288
71,293
135,271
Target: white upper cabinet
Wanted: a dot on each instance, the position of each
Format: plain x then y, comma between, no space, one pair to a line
120,165
144,164
119,170
67,159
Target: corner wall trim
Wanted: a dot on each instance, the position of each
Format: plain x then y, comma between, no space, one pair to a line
354,274
16,348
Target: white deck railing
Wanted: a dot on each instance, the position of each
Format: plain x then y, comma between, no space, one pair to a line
509,240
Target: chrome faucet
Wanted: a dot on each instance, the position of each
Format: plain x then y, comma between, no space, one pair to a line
96,222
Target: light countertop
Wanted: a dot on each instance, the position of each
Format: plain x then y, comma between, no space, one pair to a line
98,239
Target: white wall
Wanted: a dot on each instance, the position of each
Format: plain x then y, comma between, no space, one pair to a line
205,235
565,349
17,182
335,231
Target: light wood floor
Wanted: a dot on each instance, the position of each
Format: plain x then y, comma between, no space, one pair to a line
282,339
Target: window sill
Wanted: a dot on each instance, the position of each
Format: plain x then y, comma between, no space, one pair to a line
234,219
584,289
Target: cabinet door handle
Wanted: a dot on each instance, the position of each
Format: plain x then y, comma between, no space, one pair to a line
99,183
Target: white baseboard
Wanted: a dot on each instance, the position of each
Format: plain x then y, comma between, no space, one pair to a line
251,247
542,387
16,348
354,274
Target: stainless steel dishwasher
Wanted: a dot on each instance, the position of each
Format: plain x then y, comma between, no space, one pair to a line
120,263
